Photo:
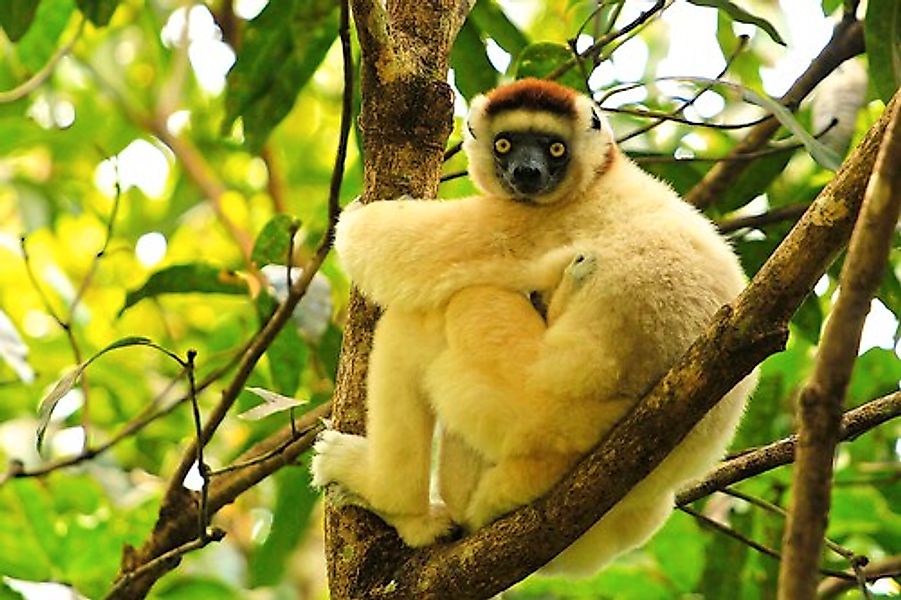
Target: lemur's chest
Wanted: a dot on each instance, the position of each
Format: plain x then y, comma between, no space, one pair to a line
531,231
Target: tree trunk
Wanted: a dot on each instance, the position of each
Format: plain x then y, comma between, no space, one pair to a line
406,118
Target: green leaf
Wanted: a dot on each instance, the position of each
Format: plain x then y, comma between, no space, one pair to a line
491,20
809,318
754,180
16,18
272,403
876,373
195,588
187,278
329,348
830,6
890,287
287,353
27,527
7,593
64,385
682,175
739,14
882,33
473,72
43,37
679,550
825,156
294,502
542,58
281,50
98,12
274,241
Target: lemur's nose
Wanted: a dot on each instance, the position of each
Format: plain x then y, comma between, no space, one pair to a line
529,176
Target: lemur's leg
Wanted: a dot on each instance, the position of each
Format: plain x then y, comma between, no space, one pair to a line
459,469
388,471
515,481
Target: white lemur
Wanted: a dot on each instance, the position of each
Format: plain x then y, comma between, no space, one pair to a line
628,274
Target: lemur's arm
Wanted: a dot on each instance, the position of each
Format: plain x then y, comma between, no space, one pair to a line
419,252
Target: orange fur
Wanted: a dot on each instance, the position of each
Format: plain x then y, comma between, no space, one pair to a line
532,94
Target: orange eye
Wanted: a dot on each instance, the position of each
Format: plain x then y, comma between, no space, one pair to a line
502,145
557,149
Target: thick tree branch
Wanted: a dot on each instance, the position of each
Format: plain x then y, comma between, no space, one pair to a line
820,402
846,42
406,117
282,449
741,335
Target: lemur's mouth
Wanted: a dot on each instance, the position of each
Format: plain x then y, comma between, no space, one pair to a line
538,303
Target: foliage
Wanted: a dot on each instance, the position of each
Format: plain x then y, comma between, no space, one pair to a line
151,194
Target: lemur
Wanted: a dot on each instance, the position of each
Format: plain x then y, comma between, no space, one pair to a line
526,321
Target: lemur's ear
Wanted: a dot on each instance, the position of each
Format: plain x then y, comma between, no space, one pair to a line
595,120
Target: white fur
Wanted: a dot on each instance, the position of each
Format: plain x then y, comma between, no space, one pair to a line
520,400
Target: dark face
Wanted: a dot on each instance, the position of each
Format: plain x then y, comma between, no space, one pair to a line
528,163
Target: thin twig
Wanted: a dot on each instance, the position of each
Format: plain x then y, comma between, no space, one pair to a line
274,184
742,44
297,290
847,41
201,464
656,114
31,84
761,548
598,46
165,562
855,423
453,151
452,176
139,422
833,588
66,326
777,215
852,557
776,147
296,433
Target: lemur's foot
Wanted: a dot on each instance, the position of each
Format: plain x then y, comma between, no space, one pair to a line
421,530
338,457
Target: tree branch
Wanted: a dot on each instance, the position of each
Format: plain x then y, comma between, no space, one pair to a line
820,402
406,117
833,587
777,215
757,546
855,422
846,42
35,81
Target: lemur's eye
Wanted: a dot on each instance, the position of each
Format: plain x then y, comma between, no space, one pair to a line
557,149
502,145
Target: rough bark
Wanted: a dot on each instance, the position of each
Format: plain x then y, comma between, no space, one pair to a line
406,118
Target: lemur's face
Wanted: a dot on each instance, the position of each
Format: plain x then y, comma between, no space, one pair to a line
530,164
